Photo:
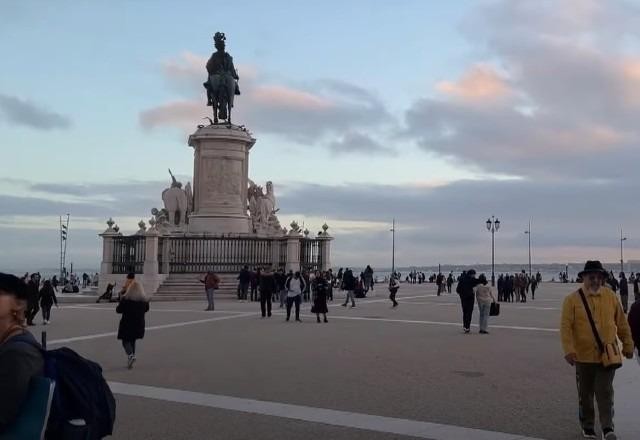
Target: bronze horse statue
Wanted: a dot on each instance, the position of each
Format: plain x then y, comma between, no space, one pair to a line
222,82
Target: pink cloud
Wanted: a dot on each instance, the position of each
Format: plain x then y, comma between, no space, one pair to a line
183,114
282,96
480,83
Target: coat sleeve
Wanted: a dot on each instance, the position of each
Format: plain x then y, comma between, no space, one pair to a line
566,326
624,331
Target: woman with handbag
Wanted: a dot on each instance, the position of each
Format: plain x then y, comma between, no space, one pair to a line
485,298
132,306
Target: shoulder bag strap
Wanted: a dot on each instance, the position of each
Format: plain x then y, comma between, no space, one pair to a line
593,324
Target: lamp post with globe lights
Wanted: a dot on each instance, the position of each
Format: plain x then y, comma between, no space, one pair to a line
493,224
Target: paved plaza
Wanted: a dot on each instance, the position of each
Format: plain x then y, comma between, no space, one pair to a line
372,372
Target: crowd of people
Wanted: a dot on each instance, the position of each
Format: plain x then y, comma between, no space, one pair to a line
590,344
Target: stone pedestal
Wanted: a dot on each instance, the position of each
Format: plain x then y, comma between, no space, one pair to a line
220,180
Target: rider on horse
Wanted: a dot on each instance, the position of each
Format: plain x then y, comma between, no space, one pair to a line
222,83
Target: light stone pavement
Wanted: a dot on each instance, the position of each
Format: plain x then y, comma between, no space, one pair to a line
372,372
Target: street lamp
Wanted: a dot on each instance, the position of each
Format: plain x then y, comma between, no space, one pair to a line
622,240
393,247
493,224
528,232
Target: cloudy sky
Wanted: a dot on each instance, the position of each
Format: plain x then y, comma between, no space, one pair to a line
439,114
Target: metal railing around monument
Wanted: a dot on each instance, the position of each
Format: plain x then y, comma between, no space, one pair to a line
220,254
128,254
311,257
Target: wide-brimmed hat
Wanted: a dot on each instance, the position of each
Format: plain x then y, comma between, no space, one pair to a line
593,267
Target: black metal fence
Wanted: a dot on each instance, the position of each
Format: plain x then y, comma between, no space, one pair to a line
128,254
311,257
200,254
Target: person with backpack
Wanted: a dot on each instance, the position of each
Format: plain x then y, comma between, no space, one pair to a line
132,306
19,361
47,300
211,282
295,285
394,286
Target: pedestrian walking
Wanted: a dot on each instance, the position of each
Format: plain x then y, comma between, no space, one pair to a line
132,306
634,324
255,276
33,305
295,286
267,288
211,282
624,292
281,281
55,283
244,281
592,320
321,287
349,285
465,289
534,286
485,298
19,361
394,286
47,300
636,288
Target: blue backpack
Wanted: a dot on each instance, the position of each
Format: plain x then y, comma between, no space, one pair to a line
83,405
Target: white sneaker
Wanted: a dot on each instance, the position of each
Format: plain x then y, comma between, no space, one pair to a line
610,435
130,360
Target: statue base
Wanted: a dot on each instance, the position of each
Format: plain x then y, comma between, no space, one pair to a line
220,179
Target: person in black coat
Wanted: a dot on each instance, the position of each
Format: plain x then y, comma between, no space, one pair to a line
47,300
32,300
267,289
465,289
624,292
320,292
133,305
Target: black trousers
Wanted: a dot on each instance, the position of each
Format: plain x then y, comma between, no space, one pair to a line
467,310
265,303
254,293
46,311
32,312
392,296
290,302
129,347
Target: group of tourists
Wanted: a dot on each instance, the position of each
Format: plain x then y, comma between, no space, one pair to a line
516,287
41,296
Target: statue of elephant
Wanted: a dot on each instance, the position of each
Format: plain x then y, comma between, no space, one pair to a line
176,203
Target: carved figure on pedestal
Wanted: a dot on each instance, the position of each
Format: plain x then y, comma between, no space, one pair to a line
161,220
262,209
176,202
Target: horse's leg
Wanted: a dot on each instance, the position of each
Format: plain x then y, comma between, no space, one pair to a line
215,112
229,114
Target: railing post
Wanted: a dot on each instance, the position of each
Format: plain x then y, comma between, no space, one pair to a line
106,267
275,253
165,255
293,252
150,266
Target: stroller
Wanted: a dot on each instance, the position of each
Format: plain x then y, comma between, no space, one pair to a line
108,294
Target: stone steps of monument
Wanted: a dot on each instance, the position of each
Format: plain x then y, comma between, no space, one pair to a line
178,287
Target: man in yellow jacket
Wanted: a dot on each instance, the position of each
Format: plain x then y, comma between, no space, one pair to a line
582,351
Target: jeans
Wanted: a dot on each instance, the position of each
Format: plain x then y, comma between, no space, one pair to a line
625,302
129,347
244,288
350,296
467,310
283,297
484,315
593,379
46,312
265,303
210,298
290,302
